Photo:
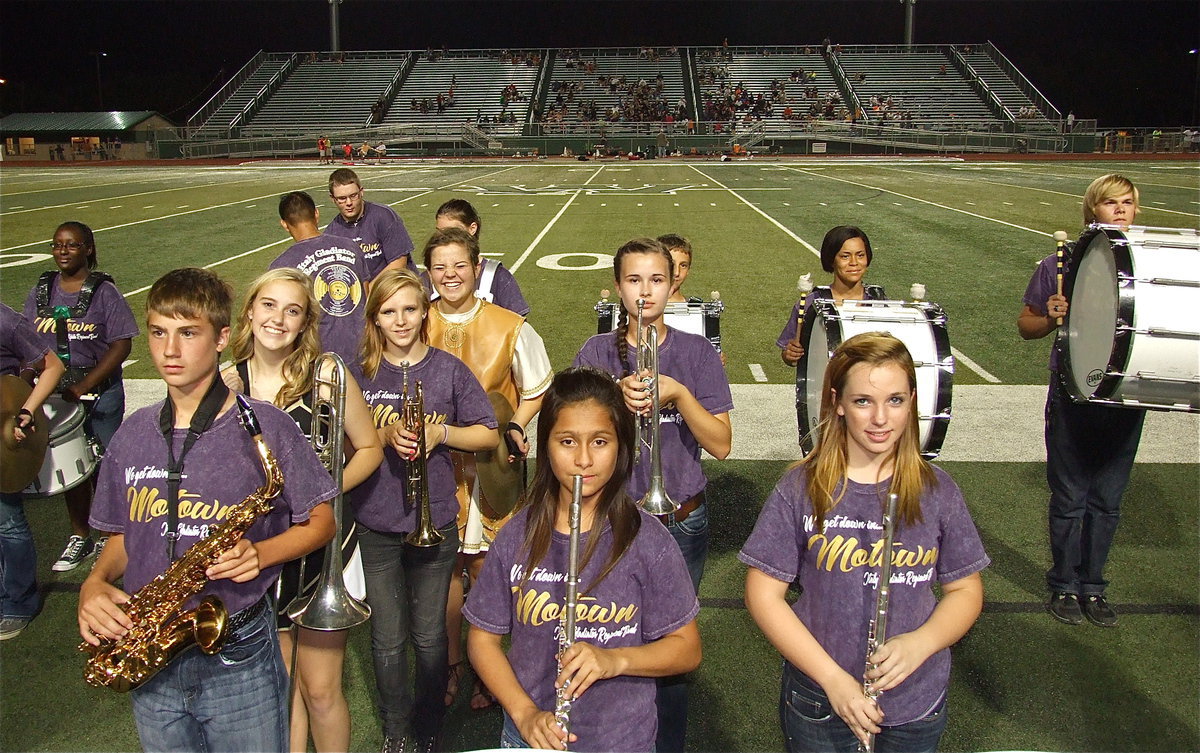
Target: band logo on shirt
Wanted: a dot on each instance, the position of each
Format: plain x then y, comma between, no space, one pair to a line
384,414
338,289
145,506
847,554
75,330
369,250
535,607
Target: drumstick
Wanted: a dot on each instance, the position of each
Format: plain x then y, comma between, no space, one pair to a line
805,286
1060,238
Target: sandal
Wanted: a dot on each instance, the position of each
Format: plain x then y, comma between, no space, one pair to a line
485,698
457,670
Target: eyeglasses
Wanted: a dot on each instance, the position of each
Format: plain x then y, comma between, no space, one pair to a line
348,198
68,246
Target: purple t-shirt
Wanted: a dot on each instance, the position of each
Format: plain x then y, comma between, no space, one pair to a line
838,573
646,596
379,232
692,361
340,273
220,471
504,290
19,343
452,396
870,293
1044,284
108,319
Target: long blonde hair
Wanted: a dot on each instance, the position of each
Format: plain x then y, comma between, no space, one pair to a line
297,367
826,465
384,287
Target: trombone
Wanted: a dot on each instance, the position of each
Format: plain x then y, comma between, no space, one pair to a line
656,501
330,606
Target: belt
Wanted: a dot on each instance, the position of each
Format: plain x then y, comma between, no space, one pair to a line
246,616
687,508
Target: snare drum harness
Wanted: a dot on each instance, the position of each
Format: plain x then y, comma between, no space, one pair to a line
60,315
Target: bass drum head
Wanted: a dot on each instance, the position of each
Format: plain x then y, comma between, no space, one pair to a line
810,371
62,417
1092,315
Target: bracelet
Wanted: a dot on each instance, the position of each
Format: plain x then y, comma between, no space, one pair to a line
446,434
514,426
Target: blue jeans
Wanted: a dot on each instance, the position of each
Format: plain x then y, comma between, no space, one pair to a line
104,416
691,534
18,560
407,588
510,736
810,724
235,700
1089,455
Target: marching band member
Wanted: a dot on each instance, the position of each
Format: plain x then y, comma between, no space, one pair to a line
695,402
496,284
681,256
819,527
626,561
235,699
274,350
79,313
376,228
1089,447
509,358
846,254
19,599
407,584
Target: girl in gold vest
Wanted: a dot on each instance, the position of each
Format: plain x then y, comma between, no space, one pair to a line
509,359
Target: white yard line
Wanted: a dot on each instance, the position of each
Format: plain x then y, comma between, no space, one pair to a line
538,239
15,210
962,358
768,217
756,371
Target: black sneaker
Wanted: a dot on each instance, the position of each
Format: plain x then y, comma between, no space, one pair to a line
426,745
1064,607
1098,612
78,549
397,745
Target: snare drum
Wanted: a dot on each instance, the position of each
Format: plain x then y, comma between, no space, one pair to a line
920,326
71,456
1130,337
697,317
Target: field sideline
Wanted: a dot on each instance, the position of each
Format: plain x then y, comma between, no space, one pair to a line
971,231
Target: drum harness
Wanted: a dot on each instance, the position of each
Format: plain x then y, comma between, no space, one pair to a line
60,315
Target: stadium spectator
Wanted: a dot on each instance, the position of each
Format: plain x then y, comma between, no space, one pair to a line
376,228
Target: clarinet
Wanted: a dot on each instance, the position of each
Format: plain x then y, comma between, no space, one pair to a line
562,698
877,633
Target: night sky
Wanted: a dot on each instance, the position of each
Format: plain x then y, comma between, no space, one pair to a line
1125,62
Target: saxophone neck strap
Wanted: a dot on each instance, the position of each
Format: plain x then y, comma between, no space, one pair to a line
202,419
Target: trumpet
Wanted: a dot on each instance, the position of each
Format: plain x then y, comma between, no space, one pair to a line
412,414
562,697
877,633
656,501
330,606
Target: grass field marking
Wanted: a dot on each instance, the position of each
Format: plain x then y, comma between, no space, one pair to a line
923,201
970,364
542,234
18,210
6,194
756,371
1046,190
768,217
449,185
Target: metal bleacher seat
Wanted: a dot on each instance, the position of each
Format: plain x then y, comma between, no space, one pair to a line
244,94
325,95
615,62
478,77
915,82
755,71
1007,91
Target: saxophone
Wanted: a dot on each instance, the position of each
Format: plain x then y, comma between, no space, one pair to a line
161,630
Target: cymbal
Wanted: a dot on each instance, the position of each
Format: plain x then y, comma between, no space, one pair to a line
19,461
502,482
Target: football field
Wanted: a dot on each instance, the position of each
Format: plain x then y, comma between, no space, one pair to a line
969,231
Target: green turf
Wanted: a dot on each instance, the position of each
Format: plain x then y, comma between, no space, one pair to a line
1021,681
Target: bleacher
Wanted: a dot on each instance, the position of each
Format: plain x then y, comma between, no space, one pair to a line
1006,90
915,81
614,63
325,95
223,116
477,77
755,71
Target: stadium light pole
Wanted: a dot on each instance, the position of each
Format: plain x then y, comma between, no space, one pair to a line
99,86
335,40
909,10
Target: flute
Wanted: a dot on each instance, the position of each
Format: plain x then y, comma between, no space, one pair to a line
877,634
562,697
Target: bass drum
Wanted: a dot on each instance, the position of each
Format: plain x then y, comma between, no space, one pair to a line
71,457
697,317
920,326
1130,337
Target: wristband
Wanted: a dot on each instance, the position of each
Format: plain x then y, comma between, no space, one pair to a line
514,426
446,434
25,412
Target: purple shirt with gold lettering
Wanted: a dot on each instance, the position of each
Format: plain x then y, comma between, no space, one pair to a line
647,595
339,273
220,471
380,235
108,319
452,396
19,343
838,568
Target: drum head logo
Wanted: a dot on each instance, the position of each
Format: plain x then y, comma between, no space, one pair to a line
1094,376
338,289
